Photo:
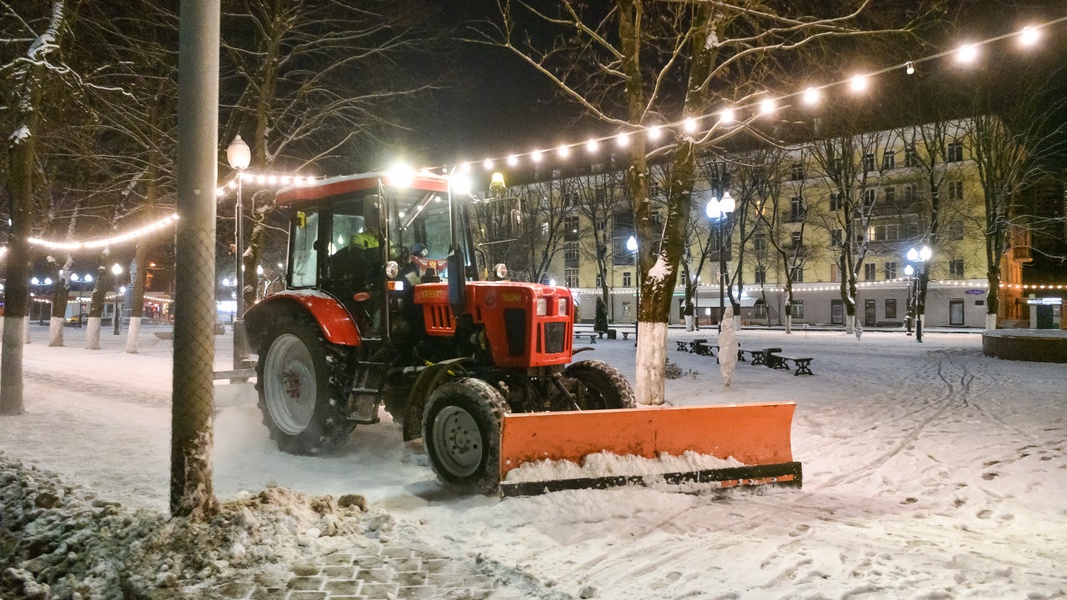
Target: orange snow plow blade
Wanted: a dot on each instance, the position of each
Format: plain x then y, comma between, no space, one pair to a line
757,435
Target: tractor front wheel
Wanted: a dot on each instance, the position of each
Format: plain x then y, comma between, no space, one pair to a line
301,405
461,430
596,385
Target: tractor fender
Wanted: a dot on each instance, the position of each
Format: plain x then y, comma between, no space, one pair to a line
431,378
336,324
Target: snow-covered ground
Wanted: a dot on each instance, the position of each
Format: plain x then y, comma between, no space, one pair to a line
930,471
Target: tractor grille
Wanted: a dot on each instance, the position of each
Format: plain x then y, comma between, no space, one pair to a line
515,326
555,336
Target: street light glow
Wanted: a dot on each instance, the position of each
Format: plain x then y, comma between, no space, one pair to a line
859,83
1029,36
726,116
966,54
811,96
767,106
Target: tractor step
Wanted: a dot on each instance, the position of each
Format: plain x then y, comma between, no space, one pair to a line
365,395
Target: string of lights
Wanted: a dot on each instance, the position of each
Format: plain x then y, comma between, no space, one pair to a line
106,242
965,54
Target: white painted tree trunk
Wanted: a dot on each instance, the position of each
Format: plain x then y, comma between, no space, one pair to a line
789,323
55,331
131,335
737,322
727,348
651,361
2,321
850,323
92,333
26,329
990,322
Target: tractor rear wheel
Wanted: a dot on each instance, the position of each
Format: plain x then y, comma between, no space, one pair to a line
599,386
302,404
461,430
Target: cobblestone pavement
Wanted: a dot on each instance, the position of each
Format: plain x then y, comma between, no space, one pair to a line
373,573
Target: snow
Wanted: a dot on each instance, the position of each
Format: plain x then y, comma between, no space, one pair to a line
931,471
606,464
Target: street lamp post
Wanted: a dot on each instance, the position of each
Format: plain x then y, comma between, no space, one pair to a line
116,270
919,257
239,156
719,211
631,245
909,272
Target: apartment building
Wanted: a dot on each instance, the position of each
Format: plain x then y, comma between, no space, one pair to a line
805,216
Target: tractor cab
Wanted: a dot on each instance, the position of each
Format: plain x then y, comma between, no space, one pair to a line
368,240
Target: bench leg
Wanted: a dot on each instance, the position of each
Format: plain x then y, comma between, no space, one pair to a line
803,369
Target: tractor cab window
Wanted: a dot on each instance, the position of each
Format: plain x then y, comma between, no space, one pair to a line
304,250
420,234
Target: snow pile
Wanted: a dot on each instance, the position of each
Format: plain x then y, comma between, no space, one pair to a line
62,541
606,464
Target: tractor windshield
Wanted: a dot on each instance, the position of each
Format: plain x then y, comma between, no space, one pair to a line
420,229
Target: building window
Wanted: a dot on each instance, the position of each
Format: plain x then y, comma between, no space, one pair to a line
544,229
798,274
835,273
955,268
889,161
954,152
890,270
837,312
570,251
796,208
761,275
890,193
759,309
835,201
911,158
570,225
797,171
870,271
627,279
868,162
955,190
798,309
571,275
868,197
890,308
759,243
836,236
911,193
601,224
797,237
599,280
955,230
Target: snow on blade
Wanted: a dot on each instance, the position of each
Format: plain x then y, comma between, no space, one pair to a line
606,464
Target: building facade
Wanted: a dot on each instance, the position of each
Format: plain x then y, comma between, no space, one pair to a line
805,217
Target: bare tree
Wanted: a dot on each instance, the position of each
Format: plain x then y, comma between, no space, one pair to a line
29,73
847,161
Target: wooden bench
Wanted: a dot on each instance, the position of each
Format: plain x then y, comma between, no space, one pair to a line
802,364
759,357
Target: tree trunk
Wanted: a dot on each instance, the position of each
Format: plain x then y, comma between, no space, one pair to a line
137,298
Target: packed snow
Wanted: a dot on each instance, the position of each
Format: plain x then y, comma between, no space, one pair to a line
930,471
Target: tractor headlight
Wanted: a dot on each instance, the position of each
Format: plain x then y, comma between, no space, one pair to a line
542,307
392,269
500,271
561,307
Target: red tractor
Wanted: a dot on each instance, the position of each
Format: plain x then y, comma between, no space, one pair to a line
385,304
